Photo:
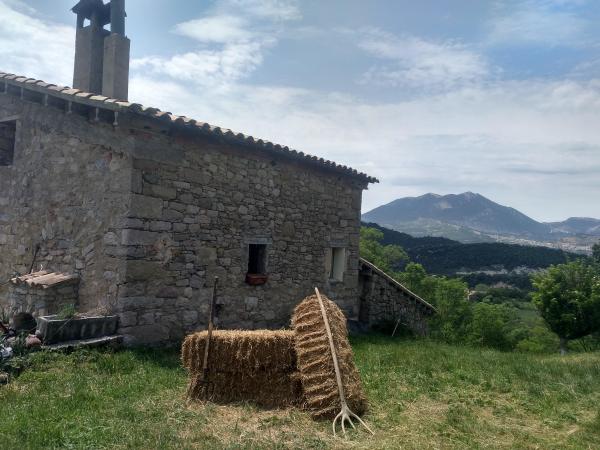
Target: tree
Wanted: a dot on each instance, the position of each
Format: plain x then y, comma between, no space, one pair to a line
389,258
568,298
492,326
596,252
448,295
451,323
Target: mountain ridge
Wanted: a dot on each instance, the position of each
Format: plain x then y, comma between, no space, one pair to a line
470,217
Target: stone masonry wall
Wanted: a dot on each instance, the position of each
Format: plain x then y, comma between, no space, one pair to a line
383,302
196,205
41,302
148,216
68,191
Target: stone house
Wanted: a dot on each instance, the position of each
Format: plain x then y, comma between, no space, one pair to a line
146,208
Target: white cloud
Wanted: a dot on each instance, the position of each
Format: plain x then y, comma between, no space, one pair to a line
34,47
551,23
233,39
281,10
415,62
217,29
216,68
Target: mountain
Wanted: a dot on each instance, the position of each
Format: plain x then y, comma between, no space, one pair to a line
471,217
577,225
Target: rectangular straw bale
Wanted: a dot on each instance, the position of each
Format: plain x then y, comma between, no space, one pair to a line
265,389
243,352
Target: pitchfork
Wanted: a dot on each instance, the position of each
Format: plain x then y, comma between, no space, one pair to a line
345,414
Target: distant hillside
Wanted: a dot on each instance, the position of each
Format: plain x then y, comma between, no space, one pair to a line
447,257
471,218
578,225
467,210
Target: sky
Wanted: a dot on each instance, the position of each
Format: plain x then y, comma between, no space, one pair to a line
499,97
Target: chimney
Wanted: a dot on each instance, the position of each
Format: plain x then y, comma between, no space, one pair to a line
101,56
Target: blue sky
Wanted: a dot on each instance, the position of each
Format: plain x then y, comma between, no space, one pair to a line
496,97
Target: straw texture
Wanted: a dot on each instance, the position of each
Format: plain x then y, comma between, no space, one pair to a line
315,363
255,366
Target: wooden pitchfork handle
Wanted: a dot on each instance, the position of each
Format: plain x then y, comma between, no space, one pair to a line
211,318
345,415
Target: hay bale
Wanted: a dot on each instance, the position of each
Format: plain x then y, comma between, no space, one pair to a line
315,362
255,366
241,351
265,389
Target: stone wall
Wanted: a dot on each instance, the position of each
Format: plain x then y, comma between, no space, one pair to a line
67,190
39,301
148,215
384,301
197,204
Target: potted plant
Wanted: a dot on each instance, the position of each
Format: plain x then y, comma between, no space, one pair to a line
256,279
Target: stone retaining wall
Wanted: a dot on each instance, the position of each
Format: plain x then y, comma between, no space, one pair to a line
385,301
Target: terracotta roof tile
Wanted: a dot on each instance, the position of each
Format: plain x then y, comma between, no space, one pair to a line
95,100
45,279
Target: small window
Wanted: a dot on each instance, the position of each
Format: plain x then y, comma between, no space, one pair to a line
338,264
257,265
257,259
8,132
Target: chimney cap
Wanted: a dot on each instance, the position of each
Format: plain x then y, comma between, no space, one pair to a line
87,8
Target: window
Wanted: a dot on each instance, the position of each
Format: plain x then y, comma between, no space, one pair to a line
8,132
338,264
257,264
257,259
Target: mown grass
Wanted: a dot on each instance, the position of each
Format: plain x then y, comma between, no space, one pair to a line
423,395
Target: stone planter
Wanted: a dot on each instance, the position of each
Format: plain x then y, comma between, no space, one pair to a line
54,330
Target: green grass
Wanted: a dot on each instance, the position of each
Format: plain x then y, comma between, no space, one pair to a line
422,394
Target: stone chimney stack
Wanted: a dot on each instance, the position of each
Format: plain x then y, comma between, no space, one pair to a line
101,56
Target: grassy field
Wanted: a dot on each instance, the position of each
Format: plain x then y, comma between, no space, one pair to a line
423,395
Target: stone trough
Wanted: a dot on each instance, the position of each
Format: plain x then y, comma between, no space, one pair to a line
55,330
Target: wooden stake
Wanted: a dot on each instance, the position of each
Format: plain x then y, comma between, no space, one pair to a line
211,317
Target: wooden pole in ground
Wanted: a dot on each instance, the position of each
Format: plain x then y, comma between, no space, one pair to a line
211,317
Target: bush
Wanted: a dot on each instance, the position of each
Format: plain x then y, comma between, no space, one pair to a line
492,326
539,340
568,298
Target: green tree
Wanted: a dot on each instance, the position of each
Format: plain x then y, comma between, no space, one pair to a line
455,313
596,252
389,258
568,298
492,326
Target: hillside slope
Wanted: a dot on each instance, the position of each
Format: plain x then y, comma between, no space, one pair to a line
445,256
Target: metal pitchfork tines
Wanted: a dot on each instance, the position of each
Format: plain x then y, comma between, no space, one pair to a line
345,414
